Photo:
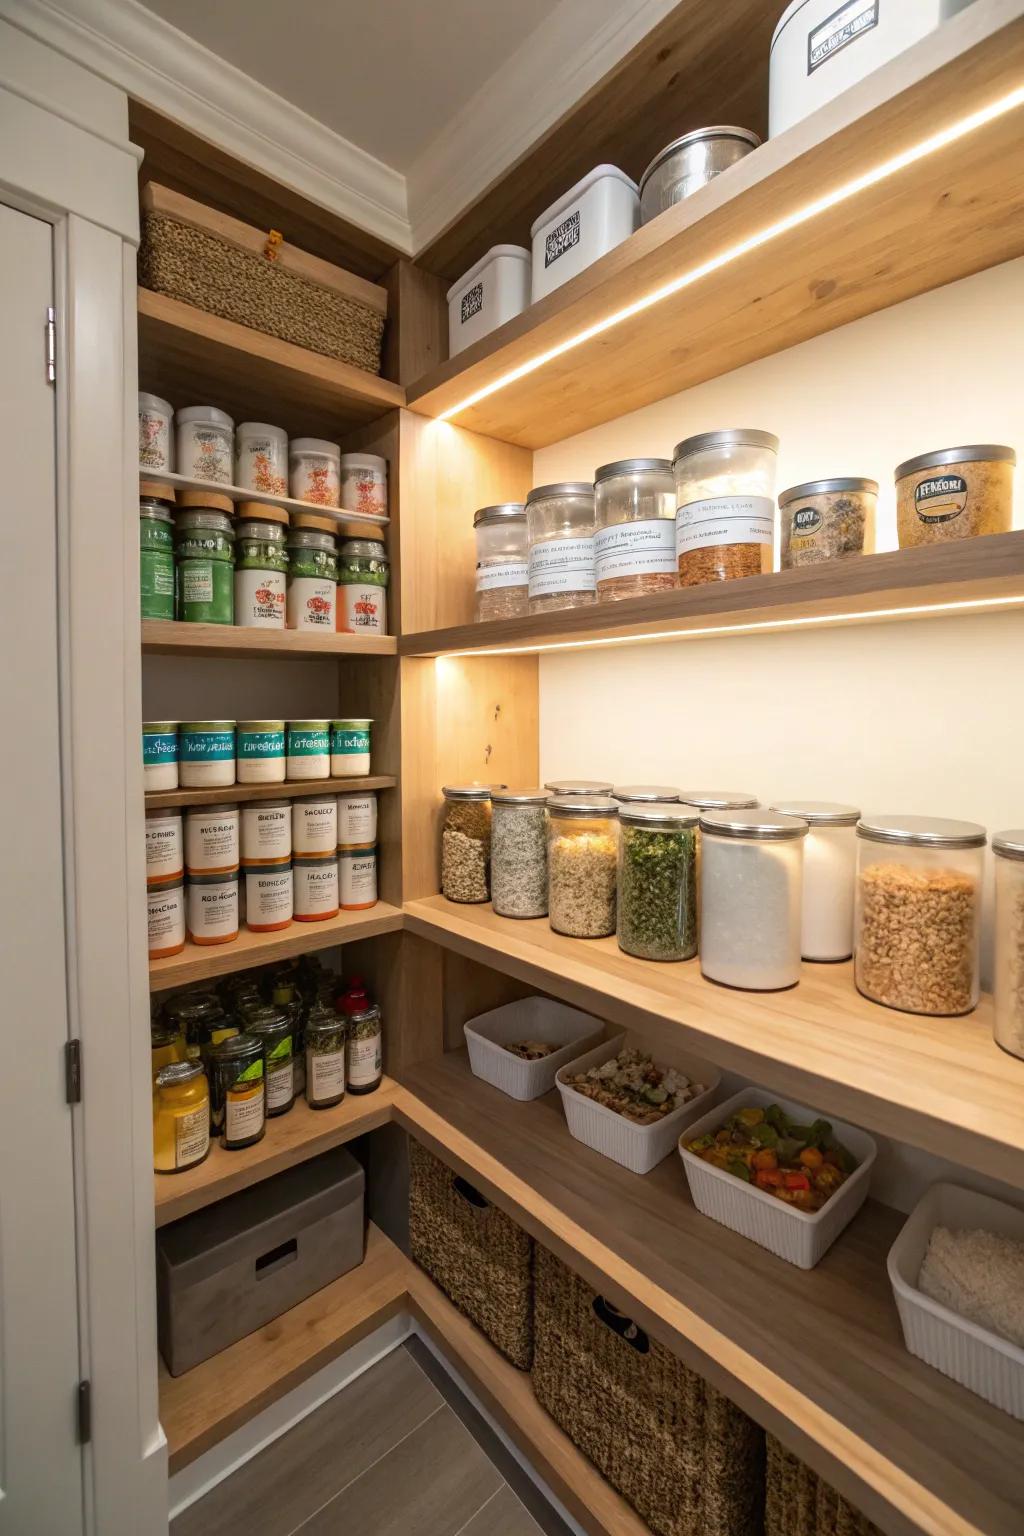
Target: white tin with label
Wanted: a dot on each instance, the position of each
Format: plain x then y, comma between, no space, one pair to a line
593,217
490,293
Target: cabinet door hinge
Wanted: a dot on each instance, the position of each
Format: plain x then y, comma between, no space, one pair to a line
84,1412
73,1071
51,345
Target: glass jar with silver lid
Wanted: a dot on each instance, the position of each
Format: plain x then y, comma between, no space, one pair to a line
750,897
634,543
502,561
830,868
657,893
689,163
519,852
466,842
1008,1023
918,909
725,504
560,527
583,851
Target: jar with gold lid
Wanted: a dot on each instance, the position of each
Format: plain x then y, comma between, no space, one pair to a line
181,1117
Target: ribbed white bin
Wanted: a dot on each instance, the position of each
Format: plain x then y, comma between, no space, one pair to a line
637,1147
796,1236
979,1360
531,1018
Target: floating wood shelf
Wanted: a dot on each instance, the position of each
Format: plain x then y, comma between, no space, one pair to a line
187,355
806,260
292,1138
941,1084
200,962
166,637
816,1356
202,1407
237,493
902,584
238,794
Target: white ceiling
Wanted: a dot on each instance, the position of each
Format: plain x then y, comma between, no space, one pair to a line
387,75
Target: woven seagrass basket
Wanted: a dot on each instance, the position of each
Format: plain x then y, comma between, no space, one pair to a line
689,1462
798,1503
221,266
477,1254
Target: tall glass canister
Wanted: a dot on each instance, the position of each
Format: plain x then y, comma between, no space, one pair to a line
657,901
466,842
751,879
725,504
519,852
502,561
635,541
560,525
583,851
1008,1027
830,873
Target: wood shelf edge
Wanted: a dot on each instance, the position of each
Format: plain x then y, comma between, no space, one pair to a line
244,794
170,637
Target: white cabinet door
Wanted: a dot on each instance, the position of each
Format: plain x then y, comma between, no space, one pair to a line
40,1460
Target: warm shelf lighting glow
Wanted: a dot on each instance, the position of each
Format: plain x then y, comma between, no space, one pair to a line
803,215
817,620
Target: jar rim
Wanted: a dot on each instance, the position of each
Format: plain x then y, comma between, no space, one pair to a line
641,794
236,1046
819,813
470,791
260,725
754,824
579,786
728,437
1009,845
594,807
501,512
922,831
164,812
179,1071
666,816
560,488
308,725
314,445
520,796
719,799
938,458
206,725
209,810
158,727
827,487
632,467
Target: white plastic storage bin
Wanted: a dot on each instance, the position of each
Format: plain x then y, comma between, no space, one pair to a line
979,1360
497,288
531,1018
821,47
793,1235
598,213
637,1147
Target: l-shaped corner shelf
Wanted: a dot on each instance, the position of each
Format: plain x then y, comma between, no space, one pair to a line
908,180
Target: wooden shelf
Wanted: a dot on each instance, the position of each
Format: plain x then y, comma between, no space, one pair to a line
187,356
202,1407
237,794
200,962
941,1084
902,584
816,1356
941,216
167,637
292,1138
372,521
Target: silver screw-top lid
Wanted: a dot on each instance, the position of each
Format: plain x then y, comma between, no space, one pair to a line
470,791
756,824
922,831
561,488
941,458
178,1072
579,786
640,793
828,488
594,806
1009,845
670,818
731,437
632,467
819,813
718,799
501,512
520,796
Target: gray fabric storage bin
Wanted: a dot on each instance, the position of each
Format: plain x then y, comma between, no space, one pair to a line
225,1271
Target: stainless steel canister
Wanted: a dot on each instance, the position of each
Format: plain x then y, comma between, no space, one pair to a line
688,163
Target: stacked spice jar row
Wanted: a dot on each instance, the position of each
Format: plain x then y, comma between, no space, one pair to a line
265,570
215,754
709,514
227,1060
267,864
753,890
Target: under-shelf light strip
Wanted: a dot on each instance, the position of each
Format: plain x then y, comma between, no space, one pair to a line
874,615
803,215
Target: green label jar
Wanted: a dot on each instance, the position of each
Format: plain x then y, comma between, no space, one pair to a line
350,748
156,560
261,751
309,749
205,556
206,752
261,563
160,754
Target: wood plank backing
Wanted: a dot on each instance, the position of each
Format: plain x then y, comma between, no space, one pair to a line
952,213
941,1084
817,1357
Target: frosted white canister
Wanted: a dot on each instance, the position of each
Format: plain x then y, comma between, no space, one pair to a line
260,751
357,820
750,898
261,458
205,444
267,832
165,858
316,889
315,826
315,470
155,447
211,839
159,755
364,483
830,877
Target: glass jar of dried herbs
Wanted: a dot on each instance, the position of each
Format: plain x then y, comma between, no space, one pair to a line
519,853
324,1034
658,881
466,842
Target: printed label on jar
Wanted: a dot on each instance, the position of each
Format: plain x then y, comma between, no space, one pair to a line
260,599
191,1136
357,819
256,745
562,565
266,834
280,1078
315,827
308,743
316,889
196,581
358,874
325,1074
504,573
166,919
211,841
206,746
351,741
364,1061
642,548
562,238
159,747
213,910
471,303
842,27
244,1116
724,520
363,609
163,847
268,898
311,603
940,499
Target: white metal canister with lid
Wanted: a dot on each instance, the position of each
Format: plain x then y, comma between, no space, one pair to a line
206,753
166,917
350,748
165,858
268,897
267,832
316,889
212,906
160,755
309,749
357,820
315,826
357,877
260,751
211,839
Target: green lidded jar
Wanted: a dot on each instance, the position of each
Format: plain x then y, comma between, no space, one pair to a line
312,573
325,1033
261,566
363,574
273,1028
657,904
156,553
205,557
237,1091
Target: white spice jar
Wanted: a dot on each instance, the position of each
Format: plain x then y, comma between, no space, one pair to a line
206,753
268,897
364,483
316,889
155,418
260,751
315,827
309,749
357,878
166,918
261,458
212,908
267,832
159,755
357,820
315,470
211,839
205,444
750,898
165,858
830,877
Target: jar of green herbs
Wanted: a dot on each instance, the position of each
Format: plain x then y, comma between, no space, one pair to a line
204,553
657,909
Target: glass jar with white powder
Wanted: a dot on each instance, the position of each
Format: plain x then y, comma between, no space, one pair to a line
830,876
560,526
750,898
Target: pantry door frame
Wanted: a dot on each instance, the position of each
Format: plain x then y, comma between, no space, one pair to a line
65,158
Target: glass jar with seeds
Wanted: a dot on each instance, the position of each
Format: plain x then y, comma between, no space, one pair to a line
560,522
466,842
519,852
583,852
917,913
750,896
826,520
657,904
725,504
502,568
1008,988
635,539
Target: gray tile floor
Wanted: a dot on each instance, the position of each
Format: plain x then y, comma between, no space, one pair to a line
398,1453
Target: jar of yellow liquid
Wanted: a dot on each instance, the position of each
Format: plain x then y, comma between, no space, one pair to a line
181,1117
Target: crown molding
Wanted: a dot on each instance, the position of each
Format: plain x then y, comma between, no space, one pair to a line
149,59
547,75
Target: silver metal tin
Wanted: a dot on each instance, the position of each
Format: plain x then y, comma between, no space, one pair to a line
560,488
639,794
502,512
689,163
977,453
732,437
922,831
632,467
762,826
827,487
819,813
593,806
1009,845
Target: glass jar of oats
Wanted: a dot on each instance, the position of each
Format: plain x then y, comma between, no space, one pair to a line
502,561
583,854
466,842
635,539
560,525
917,913
1008,1026
725,504
954,493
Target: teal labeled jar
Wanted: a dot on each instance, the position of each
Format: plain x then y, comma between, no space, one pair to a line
309,749
205,557
206,753
159,754
156,555
350,748
260,751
